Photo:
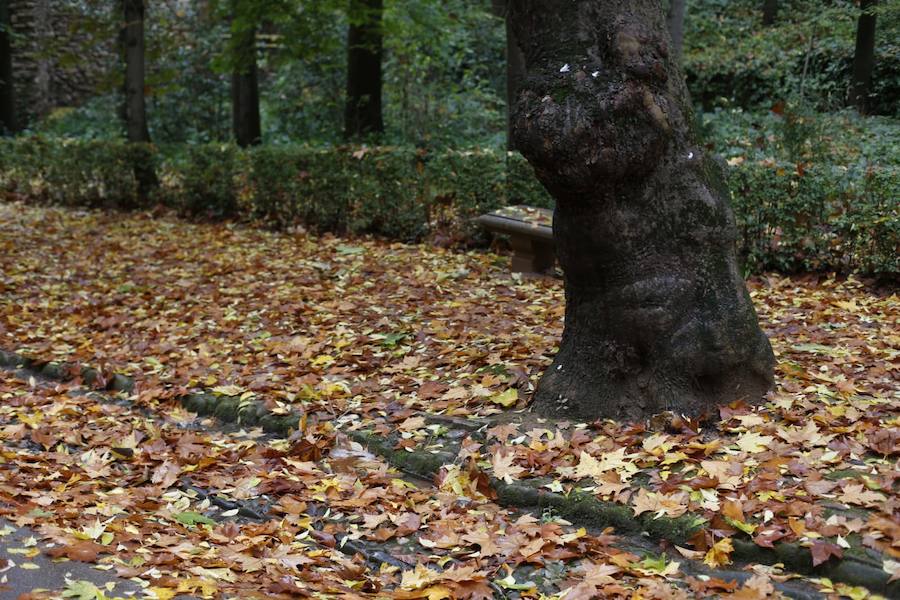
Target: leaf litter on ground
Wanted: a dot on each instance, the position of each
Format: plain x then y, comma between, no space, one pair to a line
379,336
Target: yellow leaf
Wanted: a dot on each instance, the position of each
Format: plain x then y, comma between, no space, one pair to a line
753,442
162,593
418,578
719,554
507,398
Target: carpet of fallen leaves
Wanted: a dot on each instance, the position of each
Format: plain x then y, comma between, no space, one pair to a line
371,333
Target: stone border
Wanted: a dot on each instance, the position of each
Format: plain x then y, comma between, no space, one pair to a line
579,508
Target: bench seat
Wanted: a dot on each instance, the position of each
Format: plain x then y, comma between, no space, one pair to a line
530,232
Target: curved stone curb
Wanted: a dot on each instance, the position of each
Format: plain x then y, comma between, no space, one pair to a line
577,507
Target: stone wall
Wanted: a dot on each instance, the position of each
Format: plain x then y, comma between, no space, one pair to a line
61,55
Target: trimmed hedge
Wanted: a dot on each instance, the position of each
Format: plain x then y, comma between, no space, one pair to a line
818,218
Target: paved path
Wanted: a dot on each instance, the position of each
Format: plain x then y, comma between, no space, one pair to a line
24,572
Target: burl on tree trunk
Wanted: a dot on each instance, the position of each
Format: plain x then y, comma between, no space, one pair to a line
657,314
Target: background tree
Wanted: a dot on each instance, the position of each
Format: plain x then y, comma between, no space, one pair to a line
515,66
135,107
675,20
245,77
770,12
133,40
7,89
657,314
363,114
864,56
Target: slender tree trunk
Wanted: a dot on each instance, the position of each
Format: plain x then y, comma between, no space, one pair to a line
515,67
675,21
362,114
657,314
770,12
7,85
135,107
245,92
136,122
864,57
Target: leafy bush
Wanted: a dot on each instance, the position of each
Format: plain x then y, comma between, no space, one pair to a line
820,218
79,173
206,180
791,215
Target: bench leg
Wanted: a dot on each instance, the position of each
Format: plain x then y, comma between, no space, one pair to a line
531,255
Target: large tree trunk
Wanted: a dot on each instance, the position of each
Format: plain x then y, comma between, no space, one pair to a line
245,91
136,111
864,57
7,86
770,12
362,116
657,314
675,21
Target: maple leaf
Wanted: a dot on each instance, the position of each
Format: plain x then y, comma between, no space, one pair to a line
588,466
166,474
821,551
503,431
644,501
720,554
502,463
855,493
753,443
418,578
506,398
485,540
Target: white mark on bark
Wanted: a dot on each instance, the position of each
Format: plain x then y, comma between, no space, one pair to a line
565,68
595,73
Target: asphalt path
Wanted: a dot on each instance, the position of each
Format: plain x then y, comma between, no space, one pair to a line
24,568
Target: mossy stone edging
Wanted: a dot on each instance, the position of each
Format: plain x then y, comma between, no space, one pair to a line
578,507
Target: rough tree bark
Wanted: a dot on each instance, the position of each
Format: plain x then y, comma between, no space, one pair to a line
245,119
770,12
675,20
362,115
7,89
133,37
864,57
657,314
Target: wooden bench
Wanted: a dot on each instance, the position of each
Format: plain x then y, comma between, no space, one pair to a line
530,232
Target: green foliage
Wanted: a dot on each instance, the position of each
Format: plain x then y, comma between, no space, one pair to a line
817,218
95,173
206,180
731,59
791,215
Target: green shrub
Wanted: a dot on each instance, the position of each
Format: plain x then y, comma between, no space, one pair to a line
791,216
522,185
92,173
817,218
209,176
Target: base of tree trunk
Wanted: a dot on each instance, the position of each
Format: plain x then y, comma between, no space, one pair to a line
657,314
625,359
